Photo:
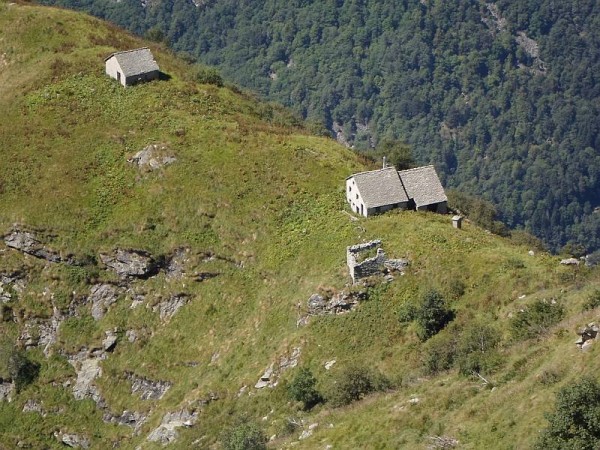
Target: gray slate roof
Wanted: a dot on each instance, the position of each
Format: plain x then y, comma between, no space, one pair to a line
135,62
423,185
380,187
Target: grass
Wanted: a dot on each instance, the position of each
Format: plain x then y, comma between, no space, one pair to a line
251,186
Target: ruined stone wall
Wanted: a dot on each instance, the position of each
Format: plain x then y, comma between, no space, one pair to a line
368,267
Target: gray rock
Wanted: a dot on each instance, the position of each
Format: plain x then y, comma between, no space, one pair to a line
152,157
131,335
168,308
175,268
111,340
102,296
308,432
33,406
75,441
131,419
399,265
316,303
7,390
167,433
329,364
570,262
87,371
147,389
27,242
131,263
265,379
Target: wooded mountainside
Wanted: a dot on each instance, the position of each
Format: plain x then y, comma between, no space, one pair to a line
502,97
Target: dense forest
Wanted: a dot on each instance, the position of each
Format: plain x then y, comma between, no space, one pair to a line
503,98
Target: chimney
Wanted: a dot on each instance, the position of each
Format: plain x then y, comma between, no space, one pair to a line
384,162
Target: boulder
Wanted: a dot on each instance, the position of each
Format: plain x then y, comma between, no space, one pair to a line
570,262
74,441
131,419
131,263
7,390
102,296
111,340
87,371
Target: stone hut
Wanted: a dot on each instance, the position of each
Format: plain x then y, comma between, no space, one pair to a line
369,266
132,66
378,191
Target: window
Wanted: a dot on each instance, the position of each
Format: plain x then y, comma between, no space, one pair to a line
349,188
356,196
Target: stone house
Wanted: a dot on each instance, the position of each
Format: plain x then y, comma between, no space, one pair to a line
132,66
380,190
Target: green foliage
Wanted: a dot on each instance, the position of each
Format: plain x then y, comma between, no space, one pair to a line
16,366
592,301
244,436
208,75
575,422
397,154
535,319
476,349
302,389
432,315
480,211
353,383
440,352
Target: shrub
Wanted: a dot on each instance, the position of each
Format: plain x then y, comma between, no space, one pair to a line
476,351
575,422
432,315
209,75
440,353
593,301
354,383
16,366
536,319
245,436
302,389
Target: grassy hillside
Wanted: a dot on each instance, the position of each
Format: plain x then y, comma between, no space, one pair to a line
257,204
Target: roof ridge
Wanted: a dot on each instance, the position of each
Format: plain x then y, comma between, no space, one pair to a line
371,171
127,51
416,168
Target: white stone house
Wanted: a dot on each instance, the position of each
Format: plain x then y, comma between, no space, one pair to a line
380,190
132,66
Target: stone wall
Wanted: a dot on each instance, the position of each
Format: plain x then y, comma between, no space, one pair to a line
368,267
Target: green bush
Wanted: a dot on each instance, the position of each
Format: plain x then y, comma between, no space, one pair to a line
575,422
302,388
476,351
245,436
209,75
354,383
536,319
440,353
593,301
16,366
432,315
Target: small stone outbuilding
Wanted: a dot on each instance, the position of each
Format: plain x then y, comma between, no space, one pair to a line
132,66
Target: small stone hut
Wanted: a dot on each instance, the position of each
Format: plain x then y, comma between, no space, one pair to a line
132,66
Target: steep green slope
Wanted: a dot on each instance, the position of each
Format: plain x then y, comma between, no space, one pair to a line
503,97
257,206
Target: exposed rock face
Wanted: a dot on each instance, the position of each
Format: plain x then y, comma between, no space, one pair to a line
33,406
587,335
175,268
111,340
131,419
168,308
339,303
27,242
74,441
152,157
102,296
131,263
270,378
87,371
167,433
147,389
41,333
6,391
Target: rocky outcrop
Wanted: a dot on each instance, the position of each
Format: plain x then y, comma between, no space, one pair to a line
27,242
88,369
128,418
270,378
337,303
152,157
7,390
570,262
147,389
167,433
175,267
74,440
587,335
41,332
131,263
110,341
167,309
101,297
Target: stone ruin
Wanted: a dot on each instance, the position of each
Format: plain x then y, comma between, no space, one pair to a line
375,265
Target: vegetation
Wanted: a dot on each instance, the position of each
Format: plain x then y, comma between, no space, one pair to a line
535,319
303,389
255,205
575,421
432,315
502,96
245,436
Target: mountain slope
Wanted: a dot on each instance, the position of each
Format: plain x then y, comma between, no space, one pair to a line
502,97
238,232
